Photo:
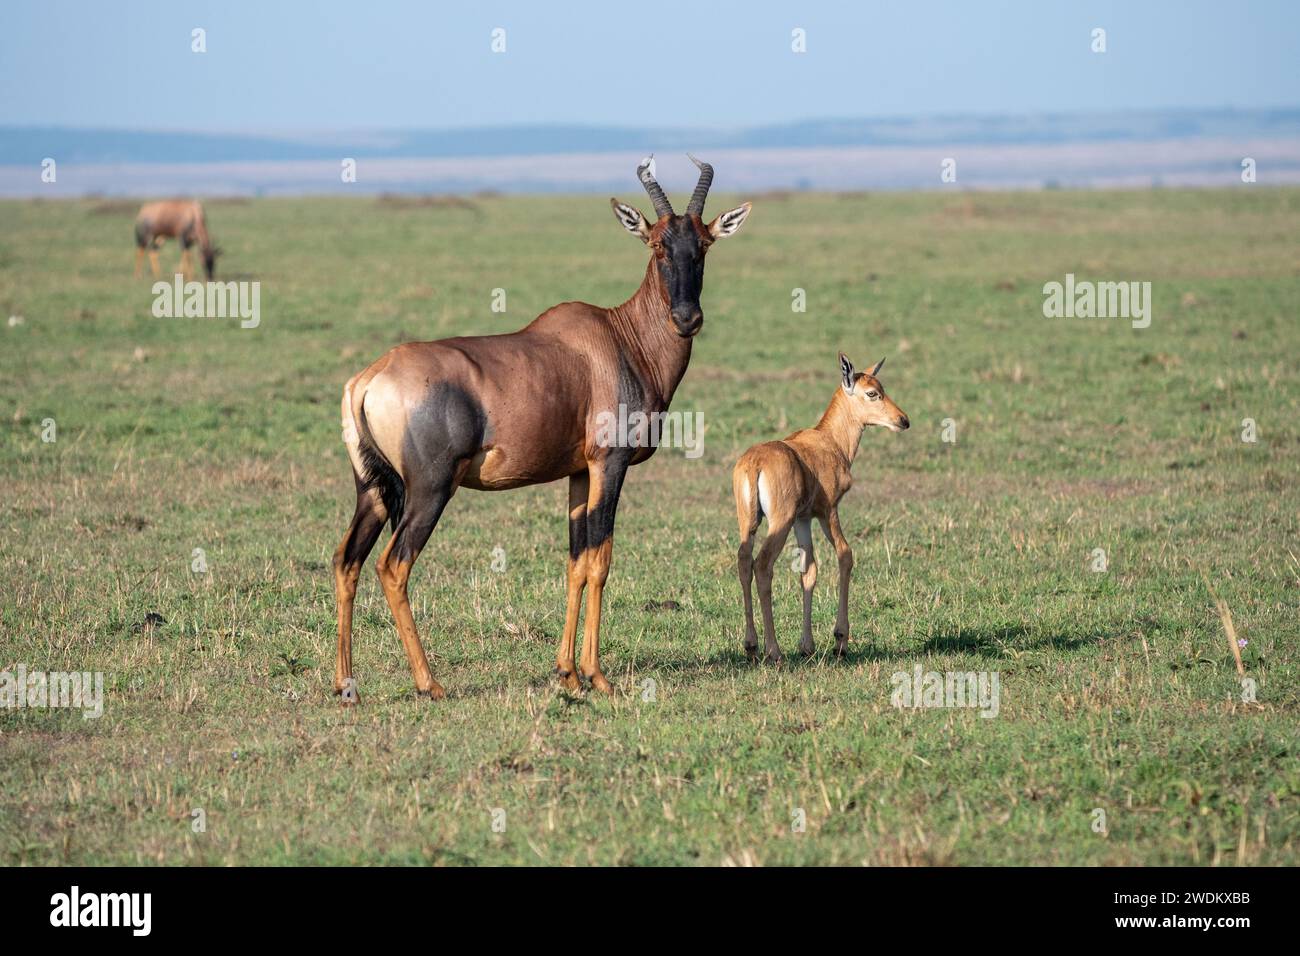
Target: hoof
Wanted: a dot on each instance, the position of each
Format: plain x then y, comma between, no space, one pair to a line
347,692
751,652
776,660
567,678
433,693
598,682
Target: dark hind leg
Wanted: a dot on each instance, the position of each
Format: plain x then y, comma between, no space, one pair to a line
423,507
352,552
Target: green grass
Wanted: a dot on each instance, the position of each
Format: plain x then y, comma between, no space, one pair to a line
1118,689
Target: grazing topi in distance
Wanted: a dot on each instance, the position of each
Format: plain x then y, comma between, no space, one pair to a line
799,478
494,412
179,219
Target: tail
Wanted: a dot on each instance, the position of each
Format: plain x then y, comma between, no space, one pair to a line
369,466
210,252
744,484
379,474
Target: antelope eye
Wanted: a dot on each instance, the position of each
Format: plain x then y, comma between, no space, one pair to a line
873,395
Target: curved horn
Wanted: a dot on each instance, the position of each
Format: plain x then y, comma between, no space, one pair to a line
662,206
696,205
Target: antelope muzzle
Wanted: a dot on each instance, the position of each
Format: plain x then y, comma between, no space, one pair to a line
687,319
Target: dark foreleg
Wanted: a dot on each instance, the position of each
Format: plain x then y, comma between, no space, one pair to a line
605,485
575,579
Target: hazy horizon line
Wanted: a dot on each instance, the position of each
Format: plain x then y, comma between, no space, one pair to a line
283,131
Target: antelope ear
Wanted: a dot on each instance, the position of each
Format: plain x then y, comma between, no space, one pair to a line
847,375
729,222
877,368
631,219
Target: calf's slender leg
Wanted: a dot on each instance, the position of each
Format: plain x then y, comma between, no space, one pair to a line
808,578
745,567
778,529
575,580
844,554
748,519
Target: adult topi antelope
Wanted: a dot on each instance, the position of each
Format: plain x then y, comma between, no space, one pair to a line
799,478
501,411
179,219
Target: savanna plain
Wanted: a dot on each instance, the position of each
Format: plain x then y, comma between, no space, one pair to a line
1119,690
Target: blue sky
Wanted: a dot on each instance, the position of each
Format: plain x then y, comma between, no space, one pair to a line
338,65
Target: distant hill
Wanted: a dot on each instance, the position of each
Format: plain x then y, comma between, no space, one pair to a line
26,145
1068,151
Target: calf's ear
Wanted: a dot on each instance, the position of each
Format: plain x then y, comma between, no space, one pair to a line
847,374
